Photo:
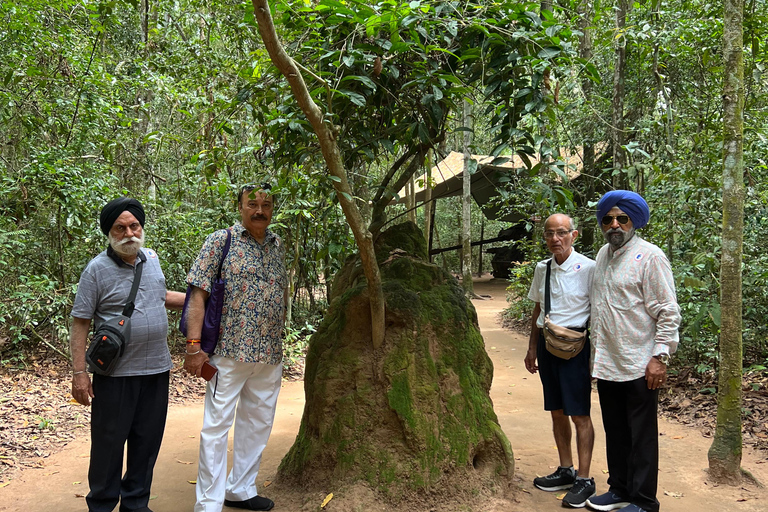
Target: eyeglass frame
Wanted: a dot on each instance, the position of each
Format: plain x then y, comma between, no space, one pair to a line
560,234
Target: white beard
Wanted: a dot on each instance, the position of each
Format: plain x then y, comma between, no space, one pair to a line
127,247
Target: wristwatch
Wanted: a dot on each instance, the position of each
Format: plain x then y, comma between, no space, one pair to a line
663,358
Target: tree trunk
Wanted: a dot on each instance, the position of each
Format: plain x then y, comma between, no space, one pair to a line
480,249
412,199
327,139
466,205
428,204
619,71
586,15
725,452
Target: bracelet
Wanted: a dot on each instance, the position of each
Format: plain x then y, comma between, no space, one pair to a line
78,373
192,342
193,353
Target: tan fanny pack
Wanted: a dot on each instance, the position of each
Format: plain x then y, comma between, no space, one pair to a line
563,342
560,341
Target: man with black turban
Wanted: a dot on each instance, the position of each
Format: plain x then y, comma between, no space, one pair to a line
128,406
635,318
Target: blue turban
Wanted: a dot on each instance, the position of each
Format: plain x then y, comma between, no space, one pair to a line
629,202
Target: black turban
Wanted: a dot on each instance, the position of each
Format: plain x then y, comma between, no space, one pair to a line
115,207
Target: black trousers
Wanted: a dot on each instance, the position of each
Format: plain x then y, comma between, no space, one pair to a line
631,440
124,410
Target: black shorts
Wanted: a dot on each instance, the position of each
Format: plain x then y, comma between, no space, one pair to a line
567,383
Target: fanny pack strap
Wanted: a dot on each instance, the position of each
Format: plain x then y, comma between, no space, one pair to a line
129,305
546,288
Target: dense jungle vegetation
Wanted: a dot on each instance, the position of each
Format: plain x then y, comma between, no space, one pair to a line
177,104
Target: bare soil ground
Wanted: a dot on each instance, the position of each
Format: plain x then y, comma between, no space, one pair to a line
44,442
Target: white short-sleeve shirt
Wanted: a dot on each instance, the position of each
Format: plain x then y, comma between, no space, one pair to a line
569,290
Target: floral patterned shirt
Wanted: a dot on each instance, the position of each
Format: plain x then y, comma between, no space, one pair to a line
254,304
635,315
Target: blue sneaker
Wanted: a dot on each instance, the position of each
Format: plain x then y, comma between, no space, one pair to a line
608,501
632,508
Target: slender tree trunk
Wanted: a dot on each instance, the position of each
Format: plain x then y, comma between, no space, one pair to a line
292,274
466,204
619,71
145,23
480,249
725,452
412,199
432,232
327,139
586,15
428,205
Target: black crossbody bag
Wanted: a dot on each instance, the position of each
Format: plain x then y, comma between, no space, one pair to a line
108,342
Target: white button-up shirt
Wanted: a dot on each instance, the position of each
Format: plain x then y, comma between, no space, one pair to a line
635,315
569,290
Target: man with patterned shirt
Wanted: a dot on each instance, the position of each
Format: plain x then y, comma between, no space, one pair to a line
248,355
635,318
129,406
566,382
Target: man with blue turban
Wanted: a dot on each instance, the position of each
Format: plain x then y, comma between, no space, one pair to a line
634,322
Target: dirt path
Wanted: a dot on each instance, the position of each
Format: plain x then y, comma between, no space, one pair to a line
62,483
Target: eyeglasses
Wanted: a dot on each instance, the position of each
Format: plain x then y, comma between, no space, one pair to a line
559,234
608,219
120,229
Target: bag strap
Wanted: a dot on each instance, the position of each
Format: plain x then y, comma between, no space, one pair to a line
128,309
224,253
546,288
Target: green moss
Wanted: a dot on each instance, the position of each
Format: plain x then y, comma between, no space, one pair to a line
406,237
400,399
403,416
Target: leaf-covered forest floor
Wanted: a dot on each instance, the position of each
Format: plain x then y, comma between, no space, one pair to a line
38,415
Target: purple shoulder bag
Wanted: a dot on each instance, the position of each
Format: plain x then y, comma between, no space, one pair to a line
209,336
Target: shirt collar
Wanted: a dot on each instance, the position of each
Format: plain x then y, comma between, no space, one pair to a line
269,236
567,264
117,259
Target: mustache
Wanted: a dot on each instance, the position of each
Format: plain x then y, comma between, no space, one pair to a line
124,241
258,217
615,231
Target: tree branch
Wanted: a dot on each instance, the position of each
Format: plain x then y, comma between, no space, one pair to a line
326,135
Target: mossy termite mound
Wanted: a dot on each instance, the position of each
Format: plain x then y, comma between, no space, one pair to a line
415,414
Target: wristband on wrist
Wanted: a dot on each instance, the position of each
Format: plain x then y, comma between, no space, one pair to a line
78,373
192,342
193,353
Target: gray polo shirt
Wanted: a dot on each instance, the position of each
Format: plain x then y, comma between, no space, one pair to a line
102,293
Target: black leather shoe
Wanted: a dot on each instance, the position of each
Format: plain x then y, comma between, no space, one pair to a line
255,503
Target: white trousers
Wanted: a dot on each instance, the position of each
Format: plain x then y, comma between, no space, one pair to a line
252,389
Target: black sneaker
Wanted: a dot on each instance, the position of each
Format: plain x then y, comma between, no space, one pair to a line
562,478
577,497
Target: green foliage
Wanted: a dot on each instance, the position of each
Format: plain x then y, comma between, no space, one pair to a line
93,105
295,344
520,278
